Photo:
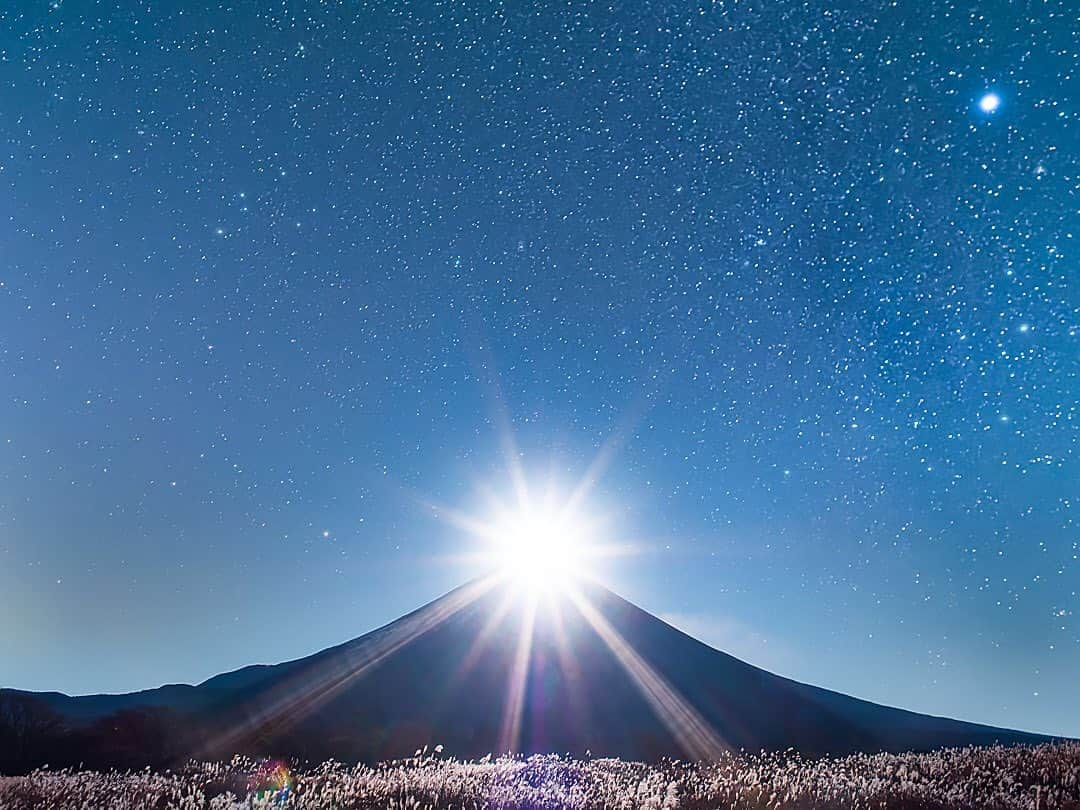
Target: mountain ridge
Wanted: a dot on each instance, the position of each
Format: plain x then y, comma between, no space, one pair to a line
482,670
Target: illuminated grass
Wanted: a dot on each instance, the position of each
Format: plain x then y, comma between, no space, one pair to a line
1045,776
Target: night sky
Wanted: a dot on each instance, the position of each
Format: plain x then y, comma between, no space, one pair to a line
279,277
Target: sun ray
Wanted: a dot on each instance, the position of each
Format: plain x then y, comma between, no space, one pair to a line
686,725
572,676
478,644
507,441
514,704
604,456
302,693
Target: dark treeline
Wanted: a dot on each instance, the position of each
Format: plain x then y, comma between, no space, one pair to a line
32,735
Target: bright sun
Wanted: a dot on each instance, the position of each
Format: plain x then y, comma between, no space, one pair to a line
540,548
541,540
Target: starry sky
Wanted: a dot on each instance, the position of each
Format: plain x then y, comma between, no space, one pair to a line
279,276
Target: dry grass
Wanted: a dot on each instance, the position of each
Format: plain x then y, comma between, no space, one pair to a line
1045,776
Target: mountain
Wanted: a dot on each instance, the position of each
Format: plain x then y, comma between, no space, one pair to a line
483,669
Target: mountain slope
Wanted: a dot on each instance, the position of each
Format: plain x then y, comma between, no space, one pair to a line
484,670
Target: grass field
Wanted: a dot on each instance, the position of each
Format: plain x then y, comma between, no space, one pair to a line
1045,776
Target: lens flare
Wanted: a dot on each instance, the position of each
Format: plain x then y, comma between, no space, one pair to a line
272,782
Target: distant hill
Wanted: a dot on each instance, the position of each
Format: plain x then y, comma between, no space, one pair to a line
472,672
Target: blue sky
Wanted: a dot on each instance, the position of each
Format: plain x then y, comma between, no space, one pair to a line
277,279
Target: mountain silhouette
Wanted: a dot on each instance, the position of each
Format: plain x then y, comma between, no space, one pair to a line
486,669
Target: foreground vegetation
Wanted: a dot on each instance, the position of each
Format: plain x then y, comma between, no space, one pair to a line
1044,776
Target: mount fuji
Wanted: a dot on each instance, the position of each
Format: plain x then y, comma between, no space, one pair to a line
483,669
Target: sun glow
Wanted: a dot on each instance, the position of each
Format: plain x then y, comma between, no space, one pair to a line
540,548
538,539
546,546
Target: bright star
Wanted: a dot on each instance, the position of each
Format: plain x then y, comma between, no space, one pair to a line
990,102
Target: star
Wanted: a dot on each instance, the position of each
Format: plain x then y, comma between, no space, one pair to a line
990,102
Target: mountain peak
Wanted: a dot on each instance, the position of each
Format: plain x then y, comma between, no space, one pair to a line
492,667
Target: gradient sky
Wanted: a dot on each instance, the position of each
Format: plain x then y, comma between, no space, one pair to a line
276,277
